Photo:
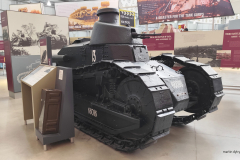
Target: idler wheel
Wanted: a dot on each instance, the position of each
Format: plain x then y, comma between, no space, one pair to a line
139,103
193,89
199,88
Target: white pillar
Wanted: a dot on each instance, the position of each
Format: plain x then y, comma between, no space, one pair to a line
146,28
213,24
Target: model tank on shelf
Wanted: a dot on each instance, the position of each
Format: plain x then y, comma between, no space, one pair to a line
124,99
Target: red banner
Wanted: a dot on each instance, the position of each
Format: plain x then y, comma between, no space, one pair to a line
163,42
231,45
1,45
155,11
2,59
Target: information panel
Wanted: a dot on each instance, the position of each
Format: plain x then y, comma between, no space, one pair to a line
230,55
37,75
155,11
163,42
126,18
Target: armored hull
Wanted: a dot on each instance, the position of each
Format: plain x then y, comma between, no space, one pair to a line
126,100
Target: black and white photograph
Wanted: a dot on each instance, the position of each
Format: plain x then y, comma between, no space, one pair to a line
199,46
223,54
25,30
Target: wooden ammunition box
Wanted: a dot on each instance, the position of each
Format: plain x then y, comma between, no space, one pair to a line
50,113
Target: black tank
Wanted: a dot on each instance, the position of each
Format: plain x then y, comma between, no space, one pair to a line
124,99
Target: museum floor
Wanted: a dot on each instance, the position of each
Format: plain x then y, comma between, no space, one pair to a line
201,140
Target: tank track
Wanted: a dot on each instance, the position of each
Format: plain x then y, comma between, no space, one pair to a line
206,70
114,141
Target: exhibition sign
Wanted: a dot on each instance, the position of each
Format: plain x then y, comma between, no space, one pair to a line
82,15
155,11
216,48
22,44
230,55
126,18
163,42
31,8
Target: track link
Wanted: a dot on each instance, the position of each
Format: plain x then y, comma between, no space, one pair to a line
112,141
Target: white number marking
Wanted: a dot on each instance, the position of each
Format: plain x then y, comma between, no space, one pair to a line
92,112
94,58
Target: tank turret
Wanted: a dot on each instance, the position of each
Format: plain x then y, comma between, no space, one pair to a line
127,100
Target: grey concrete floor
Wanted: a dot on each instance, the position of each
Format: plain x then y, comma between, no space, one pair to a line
230,77
200,140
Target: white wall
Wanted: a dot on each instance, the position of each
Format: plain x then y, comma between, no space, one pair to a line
49,10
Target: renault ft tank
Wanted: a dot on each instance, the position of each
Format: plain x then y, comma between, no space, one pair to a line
124,99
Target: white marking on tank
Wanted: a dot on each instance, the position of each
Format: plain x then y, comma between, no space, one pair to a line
177,84
94,58
92,112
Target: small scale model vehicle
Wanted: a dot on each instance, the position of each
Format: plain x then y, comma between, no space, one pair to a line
127,100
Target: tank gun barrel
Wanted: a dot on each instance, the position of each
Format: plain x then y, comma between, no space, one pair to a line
64,58
143,36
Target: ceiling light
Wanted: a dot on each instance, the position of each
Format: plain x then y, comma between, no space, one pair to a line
49,3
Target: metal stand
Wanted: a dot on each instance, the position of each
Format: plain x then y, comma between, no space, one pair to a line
45,147
66,124
72,140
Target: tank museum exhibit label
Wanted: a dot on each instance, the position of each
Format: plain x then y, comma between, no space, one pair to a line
82,15
163,42
155,11
31,8
126,100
